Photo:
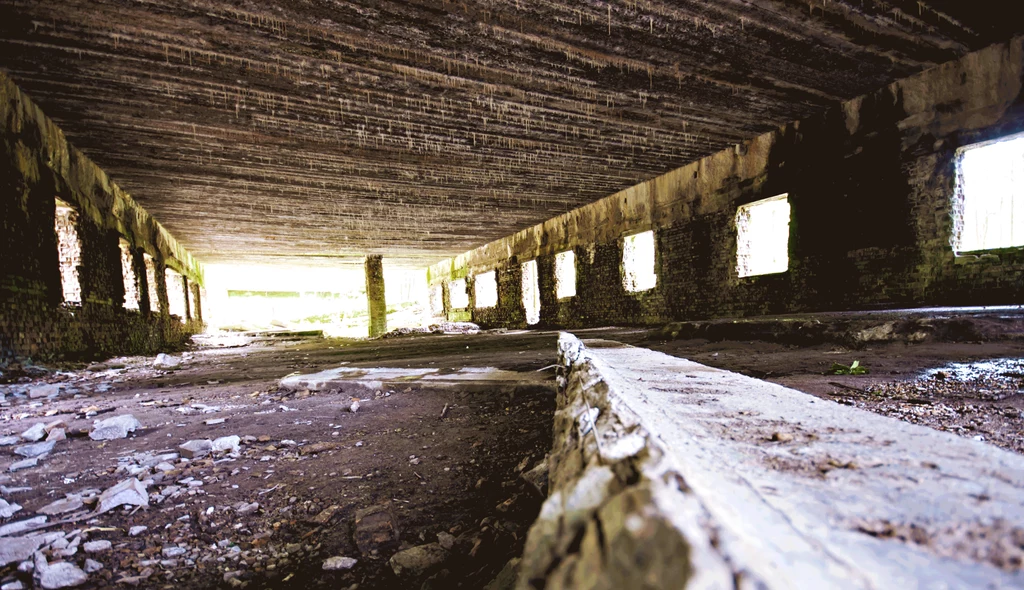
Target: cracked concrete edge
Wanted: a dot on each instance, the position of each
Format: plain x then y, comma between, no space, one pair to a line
619,513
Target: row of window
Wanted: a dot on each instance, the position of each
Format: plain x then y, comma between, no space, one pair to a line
990,190
69,254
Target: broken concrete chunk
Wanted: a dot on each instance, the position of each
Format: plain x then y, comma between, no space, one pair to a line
114,428
14,528
166,361
69,504
339,563
35,433
57,575
40,391
227,443
135,531
92,566
415,562
194,449
97,546
19,548
35,450
130,492
24,464
57,434
8,510
6,441
215,421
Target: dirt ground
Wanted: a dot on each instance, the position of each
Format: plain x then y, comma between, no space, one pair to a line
308,462
270,515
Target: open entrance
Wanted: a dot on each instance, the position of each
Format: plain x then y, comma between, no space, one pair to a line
988,207
486,289
762,237
638,262
531,292
154,298
69,252
565,274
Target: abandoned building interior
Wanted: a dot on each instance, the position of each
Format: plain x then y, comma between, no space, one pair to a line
511,294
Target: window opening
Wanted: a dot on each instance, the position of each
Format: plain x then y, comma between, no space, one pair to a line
175,293
154,299
762,237
486,289
988,207
565,274
638,262
531,292
131,282
69,251
457,294
436,301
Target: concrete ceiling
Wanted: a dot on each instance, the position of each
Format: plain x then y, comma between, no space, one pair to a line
314,130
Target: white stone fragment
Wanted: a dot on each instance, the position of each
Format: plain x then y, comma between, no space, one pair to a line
339,563
35,433
166,361
130,492
114,428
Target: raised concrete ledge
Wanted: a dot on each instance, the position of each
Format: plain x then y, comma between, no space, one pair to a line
683,486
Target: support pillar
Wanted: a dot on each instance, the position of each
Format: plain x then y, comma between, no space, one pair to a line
375,295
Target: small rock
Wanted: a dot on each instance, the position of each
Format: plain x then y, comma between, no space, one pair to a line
339,563
57,434
227,443
8,510
166,361
92,566
445,540
243,508
135,531
15,585
173,551
354,407
6,441
418,561
97,546
215,421
782,437
114,428
195,449
35,433
35,449
24,464
130,492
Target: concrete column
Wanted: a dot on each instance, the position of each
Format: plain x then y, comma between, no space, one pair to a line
375,295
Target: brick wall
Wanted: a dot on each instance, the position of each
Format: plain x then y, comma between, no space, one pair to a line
870,183
37,166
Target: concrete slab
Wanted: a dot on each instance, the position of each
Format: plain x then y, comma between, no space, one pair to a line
806,493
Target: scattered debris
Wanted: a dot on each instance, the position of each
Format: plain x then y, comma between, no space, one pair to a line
130,492
166,361
418,561
339,563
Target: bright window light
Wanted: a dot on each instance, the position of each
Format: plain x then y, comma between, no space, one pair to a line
565,274
457,295
638,262
175,293
486,290
762,237
531,292
69,251
131,282
988,212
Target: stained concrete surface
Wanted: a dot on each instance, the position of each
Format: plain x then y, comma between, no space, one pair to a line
803,492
